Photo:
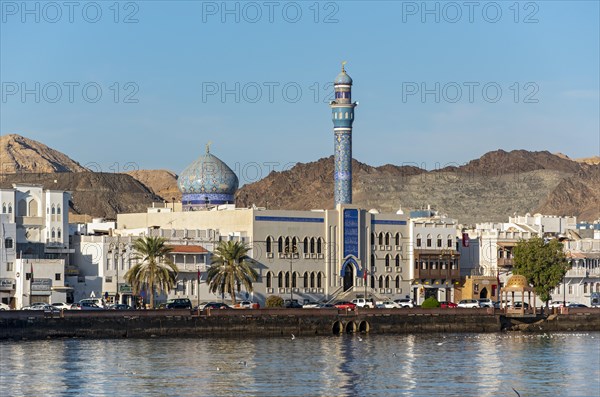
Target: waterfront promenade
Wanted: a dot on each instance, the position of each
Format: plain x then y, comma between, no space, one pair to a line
280,322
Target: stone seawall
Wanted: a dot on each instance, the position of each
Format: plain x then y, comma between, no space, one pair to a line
18,325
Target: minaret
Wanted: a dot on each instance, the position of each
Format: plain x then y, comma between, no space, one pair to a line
342,114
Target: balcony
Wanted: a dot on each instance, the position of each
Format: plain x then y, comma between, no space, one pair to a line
30,220
437,273
505,262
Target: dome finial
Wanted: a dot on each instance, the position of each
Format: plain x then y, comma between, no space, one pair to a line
208,147
344,64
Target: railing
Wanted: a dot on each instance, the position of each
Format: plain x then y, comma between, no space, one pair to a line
505,262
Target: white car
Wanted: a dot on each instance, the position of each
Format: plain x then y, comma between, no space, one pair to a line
62,305
311,305
405,302
486,303
469,303
4,306
362,302
387,305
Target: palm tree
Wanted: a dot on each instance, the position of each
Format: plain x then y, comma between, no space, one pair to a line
154,270
230,267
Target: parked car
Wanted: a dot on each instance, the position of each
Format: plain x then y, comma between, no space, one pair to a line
448,305
97,301
576,305
121,306
62,305
4,306
292,304
42,306
89,306
486,302
501,304
345,305
246,305
178,303
310,305
216,305
75,306
326,306
469,303
519,305
405,302
362,302
557,304
389,304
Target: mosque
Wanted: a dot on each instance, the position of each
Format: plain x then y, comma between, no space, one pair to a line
305,255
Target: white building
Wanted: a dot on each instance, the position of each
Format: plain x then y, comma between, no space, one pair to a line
34,226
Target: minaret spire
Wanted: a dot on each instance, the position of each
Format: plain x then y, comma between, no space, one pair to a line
342,114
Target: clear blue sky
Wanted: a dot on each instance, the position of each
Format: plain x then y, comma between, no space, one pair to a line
175,54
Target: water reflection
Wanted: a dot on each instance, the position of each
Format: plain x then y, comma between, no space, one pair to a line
382,365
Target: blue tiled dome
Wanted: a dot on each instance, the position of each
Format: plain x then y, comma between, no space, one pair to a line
207,180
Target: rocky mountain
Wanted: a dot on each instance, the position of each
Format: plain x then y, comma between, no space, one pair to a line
578,194
490,188
96,194
20,154
161,182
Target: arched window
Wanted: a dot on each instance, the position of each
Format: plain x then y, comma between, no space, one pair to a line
380,237
33,208
58,209
439,241
397,281
280,244
372,281
319,280
398,237
287,244
387,239
4,208
450,241
287,279
319,245
269,243
372,238
585,288
380,281
8,243
59,234
387,282
418,240
429,240
9,208
269,280
53,234
387,260
294,245
312,280
280,280
397,260
306,245
53,210
372,260
312,245
305,279
294,285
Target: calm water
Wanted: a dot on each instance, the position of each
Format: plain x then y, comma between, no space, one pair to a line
378,365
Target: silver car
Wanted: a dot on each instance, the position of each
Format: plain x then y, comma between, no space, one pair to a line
469,303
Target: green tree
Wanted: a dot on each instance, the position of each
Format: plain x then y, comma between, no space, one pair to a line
544,264
231,266
154,271
274,301
430,303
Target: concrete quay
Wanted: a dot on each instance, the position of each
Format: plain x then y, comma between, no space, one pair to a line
18,325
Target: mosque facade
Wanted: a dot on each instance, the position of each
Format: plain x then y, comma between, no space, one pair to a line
312,255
